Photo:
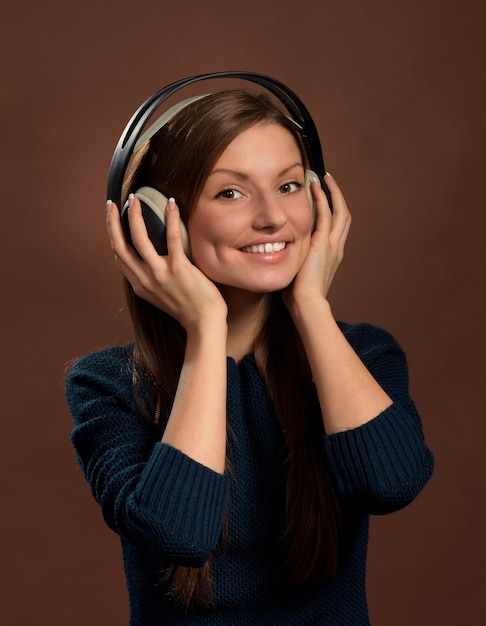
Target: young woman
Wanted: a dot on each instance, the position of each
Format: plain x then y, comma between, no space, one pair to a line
240,444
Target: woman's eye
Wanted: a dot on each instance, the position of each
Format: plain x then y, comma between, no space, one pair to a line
290,187
229,194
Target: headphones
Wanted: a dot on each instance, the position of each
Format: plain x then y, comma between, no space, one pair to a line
154,202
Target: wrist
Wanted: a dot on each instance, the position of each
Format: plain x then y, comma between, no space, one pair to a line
309,308
208,328
208,319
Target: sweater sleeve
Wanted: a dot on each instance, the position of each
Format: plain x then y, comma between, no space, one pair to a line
167,504
382,465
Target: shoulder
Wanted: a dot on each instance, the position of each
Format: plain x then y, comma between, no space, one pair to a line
366,338
109,369
109,359
381,355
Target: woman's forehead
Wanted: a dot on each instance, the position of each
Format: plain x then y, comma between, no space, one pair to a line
270,139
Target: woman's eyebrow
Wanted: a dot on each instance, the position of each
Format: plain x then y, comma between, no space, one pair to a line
245,176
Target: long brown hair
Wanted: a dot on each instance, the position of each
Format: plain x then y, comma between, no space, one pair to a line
177,161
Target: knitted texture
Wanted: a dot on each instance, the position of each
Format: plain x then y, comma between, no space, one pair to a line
167,508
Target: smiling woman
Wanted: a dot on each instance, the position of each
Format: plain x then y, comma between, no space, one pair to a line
240,444
251,226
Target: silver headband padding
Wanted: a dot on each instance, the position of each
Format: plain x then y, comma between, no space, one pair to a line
170,113
294,122
163,119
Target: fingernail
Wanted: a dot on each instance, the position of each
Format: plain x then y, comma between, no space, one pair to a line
131,198
328,174
109,206
171,203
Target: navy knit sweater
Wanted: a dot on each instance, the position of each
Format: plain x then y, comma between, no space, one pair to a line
167,508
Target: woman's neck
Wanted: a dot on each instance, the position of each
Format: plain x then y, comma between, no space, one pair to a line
246,315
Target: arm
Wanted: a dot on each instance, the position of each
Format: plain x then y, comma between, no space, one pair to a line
167,498
197,423
348,394
374,439
161,500
383,464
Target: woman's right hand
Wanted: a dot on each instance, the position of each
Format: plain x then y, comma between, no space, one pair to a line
171,283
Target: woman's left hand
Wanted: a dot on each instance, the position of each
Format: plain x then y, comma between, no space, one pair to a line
326,249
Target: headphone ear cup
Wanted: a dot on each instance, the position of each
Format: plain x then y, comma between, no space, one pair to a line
309,177
154,205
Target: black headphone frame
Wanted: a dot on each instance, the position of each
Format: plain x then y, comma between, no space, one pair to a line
134,128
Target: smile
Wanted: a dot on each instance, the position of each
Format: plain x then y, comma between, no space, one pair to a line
265,248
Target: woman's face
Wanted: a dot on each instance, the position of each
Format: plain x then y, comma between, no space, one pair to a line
250,229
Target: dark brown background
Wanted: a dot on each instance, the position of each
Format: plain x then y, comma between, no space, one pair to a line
397,90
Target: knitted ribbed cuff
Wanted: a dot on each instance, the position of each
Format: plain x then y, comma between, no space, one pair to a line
382,459
188,496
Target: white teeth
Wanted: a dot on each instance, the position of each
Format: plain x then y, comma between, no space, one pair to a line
266,248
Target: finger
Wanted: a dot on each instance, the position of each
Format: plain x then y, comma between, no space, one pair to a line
129,270
173,225
341,215
323,212
344,237
125,256
138,230
119,244
338,201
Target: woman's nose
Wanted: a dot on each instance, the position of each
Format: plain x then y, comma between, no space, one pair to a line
268,212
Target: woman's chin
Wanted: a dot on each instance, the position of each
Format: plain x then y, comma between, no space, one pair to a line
262,288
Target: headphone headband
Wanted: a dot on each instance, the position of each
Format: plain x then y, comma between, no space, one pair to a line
133,130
